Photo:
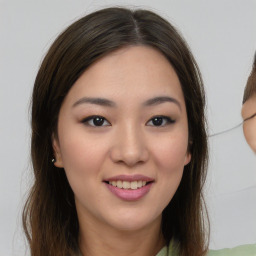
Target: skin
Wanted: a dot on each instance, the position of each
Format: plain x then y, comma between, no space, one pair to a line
127,143
249,126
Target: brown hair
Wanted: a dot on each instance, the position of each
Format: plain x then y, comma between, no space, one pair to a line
250,88
49,217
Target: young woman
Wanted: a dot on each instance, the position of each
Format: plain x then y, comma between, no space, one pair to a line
119,146
249,108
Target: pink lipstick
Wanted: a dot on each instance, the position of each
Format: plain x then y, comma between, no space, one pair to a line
129,187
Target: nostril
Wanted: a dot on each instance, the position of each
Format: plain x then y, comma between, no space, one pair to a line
129,152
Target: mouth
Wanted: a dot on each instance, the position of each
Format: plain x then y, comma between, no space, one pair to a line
123,184
129,187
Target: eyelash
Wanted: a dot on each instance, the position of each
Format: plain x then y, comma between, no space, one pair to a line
89,119
167,120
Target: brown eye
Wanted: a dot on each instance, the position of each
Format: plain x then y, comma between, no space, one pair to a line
96,121
160,121
157,121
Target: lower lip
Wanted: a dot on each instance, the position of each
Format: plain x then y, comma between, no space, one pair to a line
129,194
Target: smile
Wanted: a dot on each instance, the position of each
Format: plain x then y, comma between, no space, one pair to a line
129,188
127,184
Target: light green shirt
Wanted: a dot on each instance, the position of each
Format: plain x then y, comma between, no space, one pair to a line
243,250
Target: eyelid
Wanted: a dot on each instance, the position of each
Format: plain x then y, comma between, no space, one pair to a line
90,118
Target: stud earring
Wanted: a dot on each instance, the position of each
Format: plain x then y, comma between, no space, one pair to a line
53,160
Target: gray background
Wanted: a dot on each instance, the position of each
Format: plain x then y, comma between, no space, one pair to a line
222,36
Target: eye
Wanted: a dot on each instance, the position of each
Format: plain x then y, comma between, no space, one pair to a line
160,121
96,121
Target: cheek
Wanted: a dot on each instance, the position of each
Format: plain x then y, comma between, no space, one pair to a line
171,157
170,160
171,153
250,133
82,156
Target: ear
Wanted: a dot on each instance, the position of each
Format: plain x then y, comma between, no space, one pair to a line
187,158
57,154
188,153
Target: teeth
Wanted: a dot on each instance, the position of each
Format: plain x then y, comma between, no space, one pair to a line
127,184
119,184
134,185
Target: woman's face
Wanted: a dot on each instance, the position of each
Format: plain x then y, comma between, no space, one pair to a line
123,138
249,126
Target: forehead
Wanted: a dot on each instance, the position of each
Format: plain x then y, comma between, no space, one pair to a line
136,72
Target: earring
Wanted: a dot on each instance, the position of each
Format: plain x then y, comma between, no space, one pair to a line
53,160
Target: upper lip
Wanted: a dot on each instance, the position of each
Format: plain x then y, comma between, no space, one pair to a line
130,178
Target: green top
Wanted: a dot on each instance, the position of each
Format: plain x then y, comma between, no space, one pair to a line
242,250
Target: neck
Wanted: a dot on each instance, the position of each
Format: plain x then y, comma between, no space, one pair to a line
98,240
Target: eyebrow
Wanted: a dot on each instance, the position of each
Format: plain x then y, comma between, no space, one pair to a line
160,100
108,103
96,101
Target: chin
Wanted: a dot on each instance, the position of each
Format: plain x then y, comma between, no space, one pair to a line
134,222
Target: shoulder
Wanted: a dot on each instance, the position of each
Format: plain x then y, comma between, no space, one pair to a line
242,250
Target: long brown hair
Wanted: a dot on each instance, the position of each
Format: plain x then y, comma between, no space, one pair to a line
49,217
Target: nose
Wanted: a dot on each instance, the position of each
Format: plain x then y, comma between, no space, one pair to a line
130,146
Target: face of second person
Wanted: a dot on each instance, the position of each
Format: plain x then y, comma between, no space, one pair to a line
249,126
123,138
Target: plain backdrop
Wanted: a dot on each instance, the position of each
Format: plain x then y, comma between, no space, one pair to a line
222,36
